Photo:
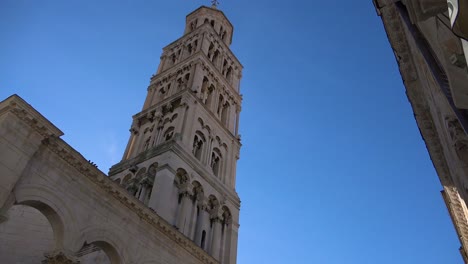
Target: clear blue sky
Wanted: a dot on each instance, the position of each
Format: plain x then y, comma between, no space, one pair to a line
333,169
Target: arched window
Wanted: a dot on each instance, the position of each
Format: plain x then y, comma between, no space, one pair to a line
220,104
229,74
209,98
168,134
212,23
210,50
215,56
224,113
193,25
198,141
126,179
190,49
215,161
147,143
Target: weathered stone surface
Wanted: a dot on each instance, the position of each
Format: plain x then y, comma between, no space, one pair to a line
437,90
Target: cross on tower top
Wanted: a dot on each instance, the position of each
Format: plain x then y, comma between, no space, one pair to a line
214,3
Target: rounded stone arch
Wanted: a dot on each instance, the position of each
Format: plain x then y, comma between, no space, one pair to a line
152,169
126,178
173,117
198,144
197,190
108,241
218,151
226,215
204,126
168,133
200,120
140,173
201,135
213,202
50,203
181,177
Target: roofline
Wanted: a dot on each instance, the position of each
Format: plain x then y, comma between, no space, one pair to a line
214,9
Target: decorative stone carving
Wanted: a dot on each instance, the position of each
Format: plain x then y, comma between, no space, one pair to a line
459,139
58,257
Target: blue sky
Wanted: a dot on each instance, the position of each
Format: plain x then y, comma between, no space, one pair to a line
333,168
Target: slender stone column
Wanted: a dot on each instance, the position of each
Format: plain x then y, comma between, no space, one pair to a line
206,159
144,189
162,194
182,211
216,238
203,223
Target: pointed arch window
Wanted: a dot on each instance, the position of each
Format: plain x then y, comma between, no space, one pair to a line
169,134
215,161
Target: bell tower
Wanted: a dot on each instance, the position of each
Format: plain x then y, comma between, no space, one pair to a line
183,148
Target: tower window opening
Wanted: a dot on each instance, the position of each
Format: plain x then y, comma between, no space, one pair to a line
197,147
190,49
210,50
203,237
215,161
224,113
215,56
220,104
169,134
210,95
212,23
229,73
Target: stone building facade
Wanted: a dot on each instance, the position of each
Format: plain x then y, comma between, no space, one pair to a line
171,199
430,50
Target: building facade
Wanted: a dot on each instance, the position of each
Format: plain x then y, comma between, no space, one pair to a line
429,42
171,199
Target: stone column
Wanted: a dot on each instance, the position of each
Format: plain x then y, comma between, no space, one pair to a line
159,134
197,78
216,238
231,243
161,199
144,189
193,220
203,222
183,211
162,63
206,158
182,113
227,163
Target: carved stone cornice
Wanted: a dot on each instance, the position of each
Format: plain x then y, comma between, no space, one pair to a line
404,55
397,37
58,257
453,203
17,106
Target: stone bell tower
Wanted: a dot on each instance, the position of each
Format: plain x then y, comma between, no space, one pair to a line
181,156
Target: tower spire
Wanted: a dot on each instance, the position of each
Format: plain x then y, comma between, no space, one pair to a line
214,3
